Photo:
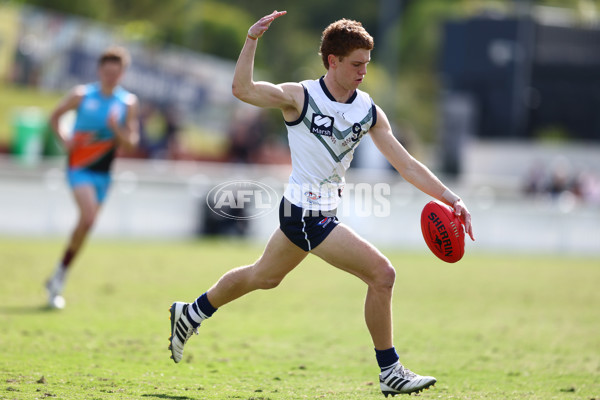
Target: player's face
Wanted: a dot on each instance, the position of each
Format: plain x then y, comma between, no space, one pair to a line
110,73
353,68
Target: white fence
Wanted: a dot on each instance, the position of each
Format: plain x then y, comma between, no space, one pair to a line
166,200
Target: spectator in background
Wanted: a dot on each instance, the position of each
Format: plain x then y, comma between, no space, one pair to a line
535,180
171,137
107,117
246,134
252,139
560,178
26,71
588,187
551,182
159,128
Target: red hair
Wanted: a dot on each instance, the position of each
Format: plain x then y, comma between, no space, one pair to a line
342,37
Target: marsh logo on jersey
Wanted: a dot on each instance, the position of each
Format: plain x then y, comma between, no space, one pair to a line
322,125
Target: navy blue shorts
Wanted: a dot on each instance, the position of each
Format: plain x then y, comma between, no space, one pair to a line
305,228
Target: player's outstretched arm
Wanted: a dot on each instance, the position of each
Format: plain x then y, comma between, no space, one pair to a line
261,94
414,171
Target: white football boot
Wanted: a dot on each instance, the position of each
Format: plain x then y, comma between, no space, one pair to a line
181,330
54,288
402,380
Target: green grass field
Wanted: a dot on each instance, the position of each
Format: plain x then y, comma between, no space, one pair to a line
489,327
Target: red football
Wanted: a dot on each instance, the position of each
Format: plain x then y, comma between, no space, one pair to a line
443,231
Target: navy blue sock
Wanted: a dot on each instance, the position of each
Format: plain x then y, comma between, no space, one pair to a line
200,310
386,358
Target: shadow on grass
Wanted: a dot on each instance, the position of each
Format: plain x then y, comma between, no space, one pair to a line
167,396
16,310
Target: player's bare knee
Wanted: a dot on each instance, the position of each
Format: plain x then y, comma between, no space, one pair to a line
260,280
267,282
87,221
385,275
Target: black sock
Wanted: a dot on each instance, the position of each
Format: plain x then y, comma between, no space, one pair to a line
386,358
200,310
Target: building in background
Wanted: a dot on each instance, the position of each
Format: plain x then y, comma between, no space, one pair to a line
518,77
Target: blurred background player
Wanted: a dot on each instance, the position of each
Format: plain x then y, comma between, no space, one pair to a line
326,118
106,119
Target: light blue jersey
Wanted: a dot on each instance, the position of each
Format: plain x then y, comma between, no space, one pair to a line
93,142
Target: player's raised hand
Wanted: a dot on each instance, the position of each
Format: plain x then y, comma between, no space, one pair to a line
263,24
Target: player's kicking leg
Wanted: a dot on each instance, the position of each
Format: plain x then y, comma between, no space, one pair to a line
344,249
279,258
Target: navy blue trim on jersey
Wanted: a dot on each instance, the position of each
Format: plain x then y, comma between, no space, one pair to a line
305,228
374,111
330,96
304,109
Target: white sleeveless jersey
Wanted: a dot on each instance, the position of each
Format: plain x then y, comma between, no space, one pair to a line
322,143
